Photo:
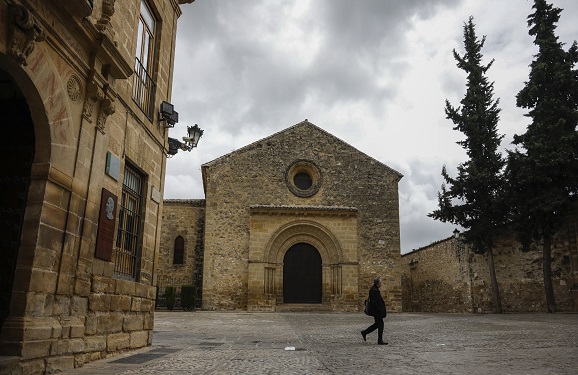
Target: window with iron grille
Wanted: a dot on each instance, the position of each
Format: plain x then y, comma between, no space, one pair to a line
143,86
129,224
179,250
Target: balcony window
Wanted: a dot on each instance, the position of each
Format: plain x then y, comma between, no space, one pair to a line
144,85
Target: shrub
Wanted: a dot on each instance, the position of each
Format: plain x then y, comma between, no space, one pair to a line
170,297
188,297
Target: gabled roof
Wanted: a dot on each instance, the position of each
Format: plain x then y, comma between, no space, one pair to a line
305,123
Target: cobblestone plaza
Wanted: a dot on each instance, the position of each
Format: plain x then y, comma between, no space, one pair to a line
204,342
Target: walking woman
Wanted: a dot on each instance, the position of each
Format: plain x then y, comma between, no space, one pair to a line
377,310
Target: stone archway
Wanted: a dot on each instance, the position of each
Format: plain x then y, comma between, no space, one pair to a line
332,233
17,150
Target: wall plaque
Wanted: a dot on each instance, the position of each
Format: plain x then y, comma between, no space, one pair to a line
106,222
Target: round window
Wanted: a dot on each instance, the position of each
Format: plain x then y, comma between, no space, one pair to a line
303,178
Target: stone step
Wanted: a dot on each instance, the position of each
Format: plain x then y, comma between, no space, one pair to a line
9,365
304,307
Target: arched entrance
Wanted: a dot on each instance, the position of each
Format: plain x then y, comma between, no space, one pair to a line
17,147
302,278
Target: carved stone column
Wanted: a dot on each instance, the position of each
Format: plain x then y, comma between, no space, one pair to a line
103,24
23,32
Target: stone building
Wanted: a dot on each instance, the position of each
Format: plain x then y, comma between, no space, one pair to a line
448,277
299,218
181,247
81,83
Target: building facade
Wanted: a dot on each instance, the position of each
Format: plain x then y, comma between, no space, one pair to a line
299,218
82,176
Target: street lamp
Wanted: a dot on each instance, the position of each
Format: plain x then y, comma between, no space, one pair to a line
194,133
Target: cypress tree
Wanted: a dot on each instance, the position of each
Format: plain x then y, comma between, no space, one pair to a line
473,199
543,174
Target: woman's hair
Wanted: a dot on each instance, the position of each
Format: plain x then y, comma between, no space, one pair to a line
376,281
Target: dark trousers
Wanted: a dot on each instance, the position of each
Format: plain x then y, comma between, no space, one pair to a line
377,325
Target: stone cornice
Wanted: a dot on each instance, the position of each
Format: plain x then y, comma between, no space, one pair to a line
296,210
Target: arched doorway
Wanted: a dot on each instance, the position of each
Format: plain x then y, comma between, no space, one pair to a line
302,281
17,147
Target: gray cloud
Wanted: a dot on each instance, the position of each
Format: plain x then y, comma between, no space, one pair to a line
373,73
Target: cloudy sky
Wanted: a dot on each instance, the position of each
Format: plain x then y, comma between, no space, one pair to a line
373,73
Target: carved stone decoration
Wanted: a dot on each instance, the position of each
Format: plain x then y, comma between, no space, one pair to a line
23,32
107,108
74,88
94,94
103,24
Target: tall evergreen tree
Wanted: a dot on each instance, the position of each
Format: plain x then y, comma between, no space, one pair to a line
543,176
474,198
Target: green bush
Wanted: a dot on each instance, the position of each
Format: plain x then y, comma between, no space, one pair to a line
170,297
188,297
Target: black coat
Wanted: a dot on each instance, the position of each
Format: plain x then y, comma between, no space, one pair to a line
376,303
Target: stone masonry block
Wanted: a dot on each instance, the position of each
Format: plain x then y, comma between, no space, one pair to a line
133,323
136,304
120,303
103,284
43,281
99,302
82,287
61,306
95,344
35,349
91,324
79,306
32,367
148,321
66,346
142,290
139,339
109,323
125,287
117,341
147,305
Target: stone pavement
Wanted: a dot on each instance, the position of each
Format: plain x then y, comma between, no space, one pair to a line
204,342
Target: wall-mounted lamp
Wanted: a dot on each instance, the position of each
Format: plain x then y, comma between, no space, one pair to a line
194,133
168,115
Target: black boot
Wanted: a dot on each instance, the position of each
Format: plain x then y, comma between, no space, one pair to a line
363,334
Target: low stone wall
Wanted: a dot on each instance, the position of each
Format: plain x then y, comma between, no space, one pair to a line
448,277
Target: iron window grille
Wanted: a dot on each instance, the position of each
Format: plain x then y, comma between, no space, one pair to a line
129,224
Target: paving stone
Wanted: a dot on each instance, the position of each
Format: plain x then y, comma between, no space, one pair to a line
204,342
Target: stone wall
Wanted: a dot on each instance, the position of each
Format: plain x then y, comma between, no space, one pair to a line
73,66
186,218
257,175
447,277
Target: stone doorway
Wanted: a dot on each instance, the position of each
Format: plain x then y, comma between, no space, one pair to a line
17,148
302,275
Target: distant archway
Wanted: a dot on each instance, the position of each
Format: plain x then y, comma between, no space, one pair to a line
302,275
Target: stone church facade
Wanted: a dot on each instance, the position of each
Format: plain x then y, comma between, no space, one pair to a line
84,154
299,218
